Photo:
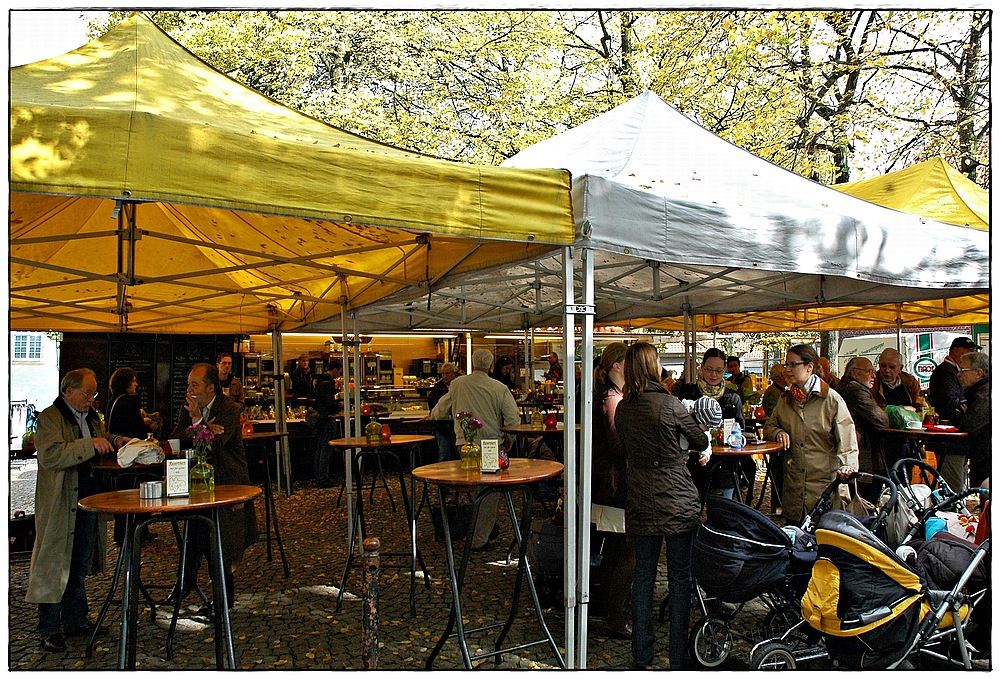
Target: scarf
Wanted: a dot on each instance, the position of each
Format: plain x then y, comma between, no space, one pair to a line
707,389
801,394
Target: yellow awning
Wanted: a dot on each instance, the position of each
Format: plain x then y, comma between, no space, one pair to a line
150,192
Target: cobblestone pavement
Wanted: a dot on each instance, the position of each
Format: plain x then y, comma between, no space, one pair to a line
291,623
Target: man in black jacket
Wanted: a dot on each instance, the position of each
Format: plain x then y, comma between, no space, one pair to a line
947,396
329,407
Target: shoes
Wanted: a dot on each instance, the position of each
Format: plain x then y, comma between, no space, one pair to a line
717,607
53,643
636,665
619,632
86,630
494,534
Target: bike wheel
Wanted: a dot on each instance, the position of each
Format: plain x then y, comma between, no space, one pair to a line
711,642
772,656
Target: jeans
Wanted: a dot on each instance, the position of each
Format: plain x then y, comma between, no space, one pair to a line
72,609
329,429
647,555
444,434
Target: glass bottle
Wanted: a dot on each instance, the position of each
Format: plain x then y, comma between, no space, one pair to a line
202,474
373,432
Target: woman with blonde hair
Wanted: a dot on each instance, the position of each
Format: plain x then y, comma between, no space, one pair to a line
662,503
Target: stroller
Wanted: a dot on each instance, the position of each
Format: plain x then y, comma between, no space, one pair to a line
740,555
873,608
793,640
924,493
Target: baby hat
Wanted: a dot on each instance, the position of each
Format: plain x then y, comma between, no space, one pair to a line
708,412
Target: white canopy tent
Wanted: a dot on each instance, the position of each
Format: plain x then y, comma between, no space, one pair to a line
672,220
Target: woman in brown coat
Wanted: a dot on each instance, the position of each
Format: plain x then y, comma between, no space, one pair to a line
662,502
814,427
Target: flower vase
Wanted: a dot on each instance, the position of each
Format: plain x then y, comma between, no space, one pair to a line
471,456
202,474
536,419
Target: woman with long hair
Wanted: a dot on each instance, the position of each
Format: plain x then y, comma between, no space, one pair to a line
662,504
814,427
608,487
125,415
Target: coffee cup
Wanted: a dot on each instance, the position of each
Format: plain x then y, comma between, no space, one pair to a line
914,425
175,445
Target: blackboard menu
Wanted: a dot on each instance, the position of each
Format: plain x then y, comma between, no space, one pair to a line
138,353
185,353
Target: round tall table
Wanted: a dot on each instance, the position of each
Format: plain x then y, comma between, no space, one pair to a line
523,432
270,512
357,447
518,476
722,454
141,512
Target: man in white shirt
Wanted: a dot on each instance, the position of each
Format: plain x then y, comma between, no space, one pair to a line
491,402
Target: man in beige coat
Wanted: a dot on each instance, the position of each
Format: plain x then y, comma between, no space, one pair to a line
67,548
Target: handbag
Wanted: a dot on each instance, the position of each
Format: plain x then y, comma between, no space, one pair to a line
857,505
312,417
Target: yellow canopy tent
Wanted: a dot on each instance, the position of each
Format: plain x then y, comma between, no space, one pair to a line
151,193
932,189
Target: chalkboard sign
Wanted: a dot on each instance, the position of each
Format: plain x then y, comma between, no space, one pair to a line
185,353
138,353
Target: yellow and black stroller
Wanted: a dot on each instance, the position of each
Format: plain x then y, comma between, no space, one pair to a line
874,610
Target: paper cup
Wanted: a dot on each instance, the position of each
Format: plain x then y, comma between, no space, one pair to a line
175,445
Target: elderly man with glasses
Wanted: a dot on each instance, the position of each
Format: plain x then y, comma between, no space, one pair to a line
974,417
894,386
856,388
67,548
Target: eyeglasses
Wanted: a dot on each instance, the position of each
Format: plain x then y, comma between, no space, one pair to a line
866,371
965,370
792,365
87,394
714,371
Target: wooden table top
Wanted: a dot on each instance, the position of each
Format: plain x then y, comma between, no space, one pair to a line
749,449
924,433
109,463
527,429
264,435
521,470
395,440
129,502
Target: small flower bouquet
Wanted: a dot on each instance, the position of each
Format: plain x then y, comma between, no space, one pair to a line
202,438
541,400
469,424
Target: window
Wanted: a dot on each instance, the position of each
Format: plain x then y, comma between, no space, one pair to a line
28,347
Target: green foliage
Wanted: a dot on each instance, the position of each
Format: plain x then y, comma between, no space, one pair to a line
807,90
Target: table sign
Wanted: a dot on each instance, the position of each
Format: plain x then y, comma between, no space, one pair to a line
177,477
490,452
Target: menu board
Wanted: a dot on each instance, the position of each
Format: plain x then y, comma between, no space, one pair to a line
138,353
184,354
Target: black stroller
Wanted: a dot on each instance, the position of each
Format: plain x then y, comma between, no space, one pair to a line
740,555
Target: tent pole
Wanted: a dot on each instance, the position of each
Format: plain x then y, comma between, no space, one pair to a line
468,353
528,383
348,453
586,444
899,328
284,463
571,567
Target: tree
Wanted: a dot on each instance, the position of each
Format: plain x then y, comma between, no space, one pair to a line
818,92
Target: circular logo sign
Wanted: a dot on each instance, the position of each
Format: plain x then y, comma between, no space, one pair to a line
924,367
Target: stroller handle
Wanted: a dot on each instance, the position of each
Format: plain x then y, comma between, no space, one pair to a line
824,503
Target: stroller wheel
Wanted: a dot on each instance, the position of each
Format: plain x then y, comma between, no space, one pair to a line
774,655
711,642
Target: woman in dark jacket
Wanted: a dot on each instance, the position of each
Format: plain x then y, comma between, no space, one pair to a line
711,382
125,415
662,504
